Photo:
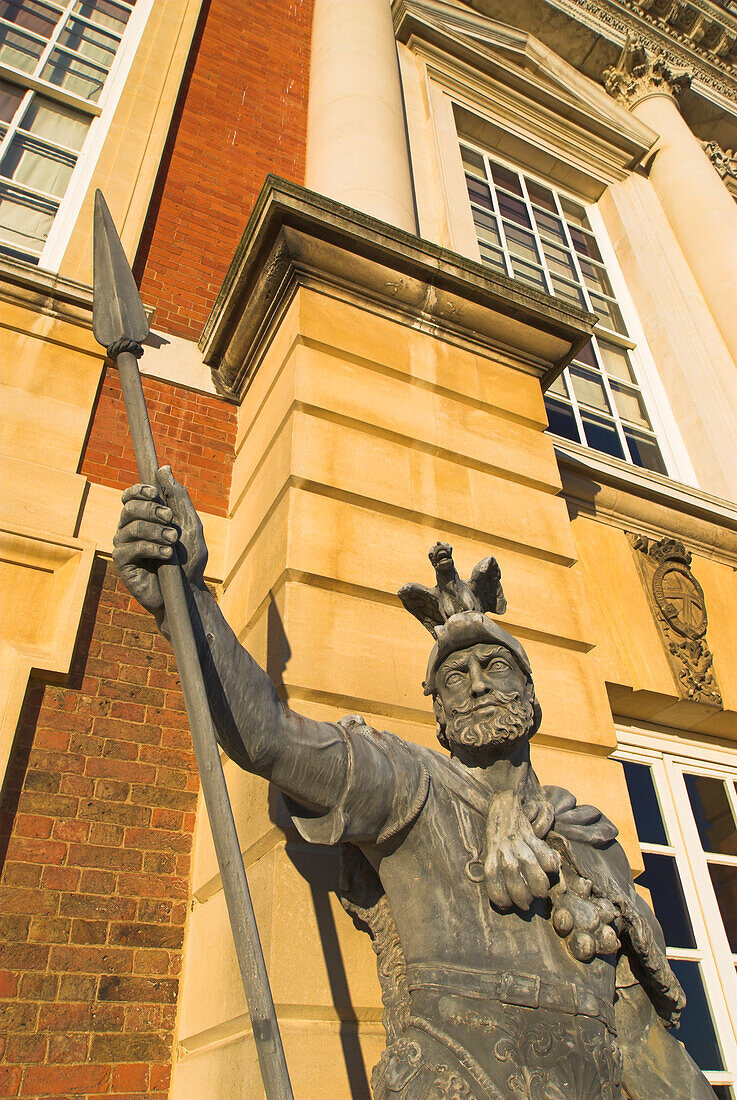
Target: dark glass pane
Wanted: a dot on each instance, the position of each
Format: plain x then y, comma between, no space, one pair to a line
724,881
18,50
697,1028
561,420
559,261
586,355
661,878
504,178
472,161
106,13
541,196
484,220
551,226
644,451
522,243
514,210
478,192
712,814
585,244
32,14
723,1092
529,274
595,277
589,388
608,313
574,213
648,819
493,256
601,435
10,98
571,293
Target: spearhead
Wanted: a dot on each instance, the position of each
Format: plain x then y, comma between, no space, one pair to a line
117,311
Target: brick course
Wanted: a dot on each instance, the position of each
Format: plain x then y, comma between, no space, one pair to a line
194,433
242,113
97,824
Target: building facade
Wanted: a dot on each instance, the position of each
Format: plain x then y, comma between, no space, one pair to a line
420,270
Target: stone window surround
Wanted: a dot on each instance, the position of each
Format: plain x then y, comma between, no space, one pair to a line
460,97
669,756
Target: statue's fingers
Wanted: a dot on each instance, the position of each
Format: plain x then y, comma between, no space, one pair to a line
145,492
152,510
141,530
517,888
495,886
135,553
546,857
536,878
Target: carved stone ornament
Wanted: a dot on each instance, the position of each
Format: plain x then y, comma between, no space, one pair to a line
724,160
680,608
640,73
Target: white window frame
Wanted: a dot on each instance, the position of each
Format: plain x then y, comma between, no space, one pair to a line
101,116
664,426
669,757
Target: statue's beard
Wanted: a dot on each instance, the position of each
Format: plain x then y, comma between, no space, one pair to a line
503,719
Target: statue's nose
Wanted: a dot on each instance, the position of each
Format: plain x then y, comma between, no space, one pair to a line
477,680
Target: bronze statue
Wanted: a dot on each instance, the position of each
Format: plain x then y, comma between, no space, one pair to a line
515,956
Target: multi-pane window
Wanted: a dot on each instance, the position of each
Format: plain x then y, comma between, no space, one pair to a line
55,56
686,817
531,232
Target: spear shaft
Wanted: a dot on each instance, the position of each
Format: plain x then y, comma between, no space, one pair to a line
119,319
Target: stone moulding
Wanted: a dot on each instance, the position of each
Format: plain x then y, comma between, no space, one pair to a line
295,238
679,606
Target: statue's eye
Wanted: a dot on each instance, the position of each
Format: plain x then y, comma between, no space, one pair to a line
454,678
498,664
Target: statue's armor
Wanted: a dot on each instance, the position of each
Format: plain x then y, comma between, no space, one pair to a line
476,1005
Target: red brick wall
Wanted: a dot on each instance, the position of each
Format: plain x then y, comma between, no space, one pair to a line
242,113
97,822
194,434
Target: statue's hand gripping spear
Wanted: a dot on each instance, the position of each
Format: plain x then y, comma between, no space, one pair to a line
119,323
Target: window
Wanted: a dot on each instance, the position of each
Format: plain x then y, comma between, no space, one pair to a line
686,816
55,58
528,231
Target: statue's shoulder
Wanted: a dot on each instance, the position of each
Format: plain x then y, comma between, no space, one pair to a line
579,822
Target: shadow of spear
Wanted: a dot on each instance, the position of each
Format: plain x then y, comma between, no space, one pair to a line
119,323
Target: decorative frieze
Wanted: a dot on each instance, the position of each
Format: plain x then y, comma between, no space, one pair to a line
642,72
679,606
724,160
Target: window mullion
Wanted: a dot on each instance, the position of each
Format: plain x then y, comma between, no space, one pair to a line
536,234
54,38
499,220
14,123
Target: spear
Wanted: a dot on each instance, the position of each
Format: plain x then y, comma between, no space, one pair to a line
120,324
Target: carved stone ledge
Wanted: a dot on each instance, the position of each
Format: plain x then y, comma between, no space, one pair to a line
640,72
725,163
679,606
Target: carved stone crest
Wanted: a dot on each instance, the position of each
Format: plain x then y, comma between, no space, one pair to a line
679,604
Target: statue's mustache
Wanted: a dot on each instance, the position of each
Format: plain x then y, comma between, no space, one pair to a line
492,697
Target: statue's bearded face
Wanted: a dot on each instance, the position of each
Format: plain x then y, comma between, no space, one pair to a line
483,698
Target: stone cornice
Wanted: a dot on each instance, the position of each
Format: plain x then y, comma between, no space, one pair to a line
45,292
296,238
641,73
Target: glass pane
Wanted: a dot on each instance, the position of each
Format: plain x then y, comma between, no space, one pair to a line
712,814
493,256
61,125
571,293
24,223
503,177
586,355
529,274
31,14
479,192
521,243
644,451
513,210
595,277
10,98
561,420
489,233
551,226
18,50
574,213
97,46
559,261
616,361
723,1092
105,13
589,389
37,166
645,806
608,313
601,435
558,386
724,881
541,196
630,404
68,71
472,161
696,1031
661,878
585,244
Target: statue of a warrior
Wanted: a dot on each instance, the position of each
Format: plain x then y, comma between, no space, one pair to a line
516,958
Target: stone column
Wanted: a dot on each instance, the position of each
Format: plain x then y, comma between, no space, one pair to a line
695,200
356,138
